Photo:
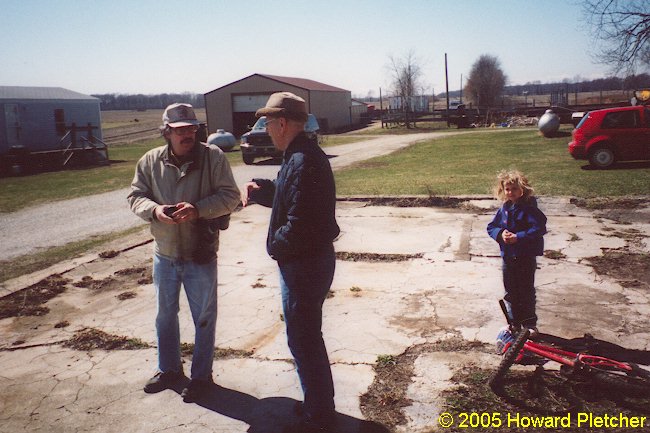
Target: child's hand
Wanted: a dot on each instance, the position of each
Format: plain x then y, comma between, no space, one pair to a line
509,237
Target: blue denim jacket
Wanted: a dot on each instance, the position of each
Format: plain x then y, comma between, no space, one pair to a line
526,221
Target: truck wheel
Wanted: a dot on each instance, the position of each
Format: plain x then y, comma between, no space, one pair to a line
248,159
602,157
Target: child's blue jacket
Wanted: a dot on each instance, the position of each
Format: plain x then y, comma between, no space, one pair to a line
526,221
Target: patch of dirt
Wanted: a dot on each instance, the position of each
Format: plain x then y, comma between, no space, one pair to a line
143,274
386,397
123,278
554,254
126,295
624,210
91,339
88,282
431,201
601,203
29,301
187,349
109,254
373,257
628,268
528,394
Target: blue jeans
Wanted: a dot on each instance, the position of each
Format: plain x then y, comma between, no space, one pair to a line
200,283
305,282
519,284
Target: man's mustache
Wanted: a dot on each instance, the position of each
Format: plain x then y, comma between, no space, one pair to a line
187,141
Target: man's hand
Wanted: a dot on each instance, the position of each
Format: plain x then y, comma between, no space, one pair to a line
509,237
184,212
245,193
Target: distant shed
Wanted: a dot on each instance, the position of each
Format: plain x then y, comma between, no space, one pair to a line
49,120
232,107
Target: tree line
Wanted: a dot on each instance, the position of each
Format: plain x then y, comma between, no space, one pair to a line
119,101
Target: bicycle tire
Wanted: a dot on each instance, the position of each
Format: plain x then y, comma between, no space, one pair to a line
634,384
509,358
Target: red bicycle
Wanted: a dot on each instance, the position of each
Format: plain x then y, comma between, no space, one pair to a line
625,377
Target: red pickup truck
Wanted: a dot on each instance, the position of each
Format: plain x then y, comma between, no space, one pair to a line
615,134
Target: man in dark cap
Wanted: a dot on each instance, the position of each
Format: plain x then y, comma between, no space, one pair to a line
300,238
181,189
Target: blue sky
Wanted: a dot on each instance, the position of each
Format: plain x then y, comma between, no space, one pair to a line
144,46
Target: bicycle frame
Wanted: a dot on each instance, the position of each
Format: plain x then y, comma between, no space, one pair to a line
619,376
571,359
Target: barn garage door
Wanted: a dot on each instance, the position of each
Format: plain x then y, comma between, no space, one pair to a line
248,103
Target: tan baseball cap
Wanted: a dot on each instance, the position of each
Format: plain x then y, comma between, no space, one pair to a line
284,104
179,114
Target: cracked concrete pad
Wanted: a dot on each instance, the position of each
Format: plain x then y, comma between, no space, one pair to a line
375,308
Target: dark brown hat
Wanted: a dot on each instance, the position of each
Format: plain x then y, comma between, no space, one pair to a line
284,104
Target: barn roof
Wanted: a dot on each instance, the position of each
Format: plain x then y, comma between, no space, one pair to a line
302,83
24,92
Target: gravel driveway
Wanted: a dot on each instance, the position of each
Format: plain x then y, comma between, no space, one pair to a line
39,227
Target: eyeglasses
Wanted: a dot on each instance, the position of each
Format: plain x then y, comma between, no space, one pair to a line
184,130
269,121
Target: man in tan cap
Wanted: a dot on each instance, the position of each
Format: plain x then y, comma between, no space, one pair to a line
181,189
300,238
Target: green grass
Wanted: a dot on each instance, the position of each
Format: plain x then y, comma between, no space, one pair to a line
467,164
29,263
454,165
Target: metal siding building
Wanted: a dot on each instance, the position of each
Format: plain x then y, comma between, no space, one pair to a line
232,107
36,117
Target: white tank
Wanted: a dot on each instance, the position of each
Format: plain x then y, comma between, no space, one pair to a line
549,123
222,139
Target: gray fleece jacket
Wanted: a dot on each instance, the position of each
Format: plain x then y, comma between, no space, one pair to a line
158,181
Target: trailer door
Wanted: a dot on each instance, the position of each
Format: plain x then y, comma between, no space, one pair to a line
12,120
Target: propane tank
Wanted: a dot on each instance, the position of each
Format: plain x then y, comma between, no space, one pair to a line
222,139
549,123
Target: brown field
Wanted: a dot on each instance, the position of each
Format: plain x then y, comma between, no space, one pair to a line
127,126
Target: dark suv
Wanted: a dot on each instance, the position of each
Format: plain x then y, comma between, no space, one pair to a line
614,134
257,143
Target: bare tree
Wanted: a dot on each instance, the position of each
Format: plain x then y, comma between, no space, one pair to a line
486,81
623,29
406,74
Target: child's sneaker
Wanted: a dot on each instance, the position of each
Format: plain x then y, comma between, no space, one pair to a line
533,332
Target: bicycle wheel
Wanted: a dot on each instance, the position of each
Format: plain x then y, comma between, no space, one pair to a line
509,358
635,383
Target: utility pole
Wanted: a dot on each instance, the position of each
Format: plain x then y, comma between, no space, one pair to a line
447,87
381,109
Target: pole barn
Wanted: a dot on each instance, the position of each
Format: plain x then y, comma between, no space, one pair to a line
232,107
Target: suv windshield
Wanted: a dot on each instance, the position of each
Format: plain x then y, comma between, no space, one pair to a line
310,126
260,125
584,118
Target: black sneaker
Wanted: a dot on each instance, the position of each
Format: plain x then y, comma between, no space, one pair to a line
162,381
196,389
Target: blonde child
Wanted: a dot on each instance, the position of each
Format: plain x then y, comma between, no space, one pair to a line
518,227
